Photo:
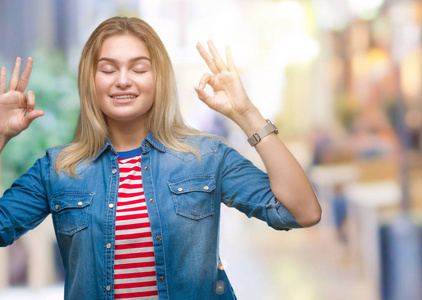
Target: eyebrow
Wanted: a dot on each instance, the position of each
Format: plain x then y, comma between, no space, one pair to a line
130,60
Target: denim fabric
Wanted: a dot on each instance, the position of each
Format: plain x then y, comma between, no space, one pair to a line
183,197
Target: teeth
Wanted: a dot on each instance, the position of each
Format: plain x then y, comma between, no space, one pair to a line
124,97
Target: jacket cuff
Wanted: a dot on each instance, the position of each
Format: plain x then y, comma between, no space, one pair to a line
279,217
6,234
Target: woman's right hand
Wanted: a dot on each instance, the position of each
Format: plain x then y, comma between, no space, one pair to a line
16,108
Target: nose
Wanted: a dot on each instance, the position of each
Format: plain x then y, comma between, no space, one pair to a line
123,81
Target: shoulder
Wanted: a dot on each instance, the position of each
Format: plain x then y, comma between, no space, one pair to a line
200,147
43,166
209,144
53,153
205,144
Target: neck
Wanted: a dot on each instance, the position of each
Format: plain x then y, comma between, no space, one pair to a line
127,136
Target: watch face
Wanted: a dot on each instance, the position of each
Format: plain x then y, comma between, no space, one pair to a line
275,127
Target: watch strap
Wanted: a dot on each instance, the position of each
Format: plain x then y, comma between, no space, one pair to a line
263,132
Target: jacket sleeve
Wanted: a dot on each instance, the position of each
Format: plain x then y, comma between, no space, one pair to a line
247,188
24,205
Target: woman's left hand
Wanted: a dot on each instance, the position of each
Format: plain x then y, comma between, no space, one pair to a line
230,97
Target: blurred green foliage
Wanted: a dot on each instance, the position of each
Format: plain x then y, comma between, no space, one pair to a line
56,93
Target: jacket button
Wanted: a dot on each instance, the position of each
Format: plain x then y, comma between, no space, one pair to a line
162,279
147,168
80,203
114,171
111,205
151,200
180,189
158,238
56,207
108,245
108,288
206,188
146,145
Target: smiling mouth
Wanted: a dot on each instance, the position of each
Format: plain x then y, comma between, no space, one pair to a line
123,97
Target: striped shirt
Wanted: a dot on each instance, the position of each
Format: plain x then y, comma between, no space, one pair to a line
134,263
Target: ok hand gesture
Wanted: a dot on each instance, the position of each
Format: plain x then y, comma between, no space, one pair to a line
16,108
229,97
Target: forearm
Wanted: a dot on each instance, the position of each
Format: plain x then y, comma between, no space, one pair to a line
288,181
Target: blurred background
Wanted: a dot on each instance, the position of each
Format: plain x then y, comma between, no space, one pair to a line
341,79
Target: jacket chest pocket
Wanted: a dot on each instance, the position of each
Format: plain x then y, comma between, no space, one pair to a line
70,212
193,197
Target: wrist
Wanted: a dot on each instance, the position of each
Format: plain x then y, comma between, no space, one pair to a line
262,133
250,121
3,142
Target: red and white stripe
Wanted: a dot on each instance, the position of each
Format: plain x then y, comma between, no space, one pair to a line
134,263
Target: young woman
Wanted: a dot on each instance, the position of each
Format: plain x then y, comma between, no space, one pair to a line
135,198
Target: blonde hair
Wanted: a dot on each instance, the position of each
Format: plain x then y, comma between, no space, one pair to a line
164,119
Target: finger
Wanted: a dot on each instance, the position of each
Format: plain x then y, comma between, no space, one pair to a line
27,120
15,75
2,80
219,62
230,60
207,58
23,81
204,97
29,100
206,79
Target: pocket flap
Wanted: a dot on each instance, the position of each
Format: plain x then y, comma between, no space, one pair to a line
70,200
193,184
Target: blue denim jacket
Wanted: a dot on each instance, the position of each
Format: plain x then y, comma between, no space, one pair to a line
183,199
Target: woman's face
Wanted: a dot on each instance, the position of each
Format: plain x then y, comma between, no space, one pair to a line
124,79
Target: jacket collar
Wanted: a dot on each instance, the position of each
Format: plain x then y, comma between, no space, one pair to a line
154,142
149,138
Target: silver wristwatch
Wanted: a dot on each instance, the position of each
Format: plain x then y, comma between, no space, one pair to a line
263,132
